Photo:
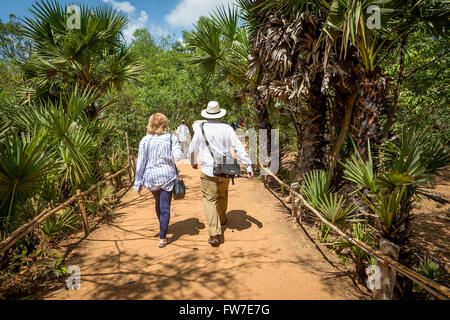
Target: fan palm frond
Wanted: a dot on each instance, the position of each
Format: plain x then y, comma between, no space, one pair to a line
23,163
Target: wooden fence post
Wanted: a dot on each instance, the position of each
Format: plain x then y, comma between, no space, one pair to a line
294,207
129,161
292,199
387,277
128,149
108,181
83,213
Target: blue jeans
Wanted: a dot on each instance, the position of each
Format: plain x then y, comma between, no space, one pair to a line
162,206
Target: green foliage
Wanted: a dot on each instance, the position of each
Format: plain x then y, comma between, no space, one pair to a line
407,165
359,171
13,45
56,266
100,200
324,232
360,232
331,205
92,57
334,209
222,47
65,128
424,96
416,153
22,259
430,270
23,162
116,162
314,186
58,224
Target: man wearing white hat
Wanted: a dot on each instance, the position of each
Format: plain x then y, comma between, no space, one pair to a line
221,137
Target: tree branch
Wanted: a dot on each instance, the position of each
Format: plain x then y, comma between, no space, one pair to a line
401,77
427,63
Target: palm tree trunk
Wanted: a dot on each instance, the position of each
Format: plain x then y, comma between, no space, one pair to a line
263,118
311,153
365,122
342,134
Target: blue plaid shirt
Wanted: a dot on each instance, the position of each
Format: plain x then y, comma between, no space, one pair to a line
155,167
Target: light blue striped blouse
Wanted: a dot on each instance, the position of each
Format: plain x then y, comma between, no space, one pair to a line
155,167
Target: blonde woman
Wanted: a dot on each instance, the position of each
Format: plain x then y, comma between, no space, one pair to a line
155,169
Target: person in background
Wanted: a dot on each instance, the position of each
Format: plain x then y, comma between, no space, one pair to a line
184,137
221,138
155,169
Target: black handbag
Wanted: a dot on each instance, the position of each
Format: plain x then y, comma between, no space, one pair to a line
228,167
179,189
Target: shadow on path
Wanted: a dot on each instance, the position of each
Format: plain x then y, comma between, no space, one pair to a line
191,226
240,220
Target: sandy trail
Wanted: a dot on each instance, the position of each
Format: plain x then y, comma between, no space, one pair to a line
264,256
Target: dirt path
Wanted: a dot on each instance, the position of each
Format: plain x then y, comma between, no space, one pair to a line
264,256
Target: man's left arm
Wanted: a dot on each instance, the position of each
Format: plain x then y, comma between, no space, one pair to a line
241,153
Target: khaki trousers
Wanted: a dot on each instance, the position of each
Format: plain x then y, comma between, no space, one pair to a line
215,200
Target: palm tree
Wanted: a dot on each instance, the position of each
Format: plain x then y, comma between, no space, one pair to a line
76,140
222,50
408,164
287,41
316,50
93,57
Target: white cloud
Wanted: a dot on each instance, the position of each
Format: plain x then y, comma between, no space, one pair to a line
134,24
134,21
158,31
187,12
124,6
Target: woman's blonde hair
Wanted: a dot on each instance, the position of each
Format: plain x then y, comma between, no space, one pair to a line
158,124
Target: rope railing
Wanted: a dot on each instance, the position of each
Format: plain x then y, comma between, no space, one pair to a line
36,221
25,229
440,291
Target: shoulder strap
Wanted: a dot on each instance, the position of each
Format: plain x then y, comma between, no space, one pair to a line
206,140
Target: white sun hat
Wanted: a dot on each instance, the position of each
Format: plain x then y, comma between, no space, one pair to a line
213,111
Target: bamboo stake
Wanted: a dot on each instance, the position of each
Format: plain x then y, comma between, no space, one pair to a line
83,213
128,149
32,224
438,290
109,183
131,171
108,180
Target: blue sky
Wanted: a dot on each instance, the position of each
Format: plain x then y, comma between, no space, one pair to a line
160,17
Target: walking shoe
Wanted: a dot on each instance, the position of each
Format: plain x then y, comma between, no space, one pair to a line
214,240
162,245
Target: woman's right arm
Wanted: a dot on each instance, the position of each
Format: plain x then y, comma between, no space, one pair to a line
140,166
